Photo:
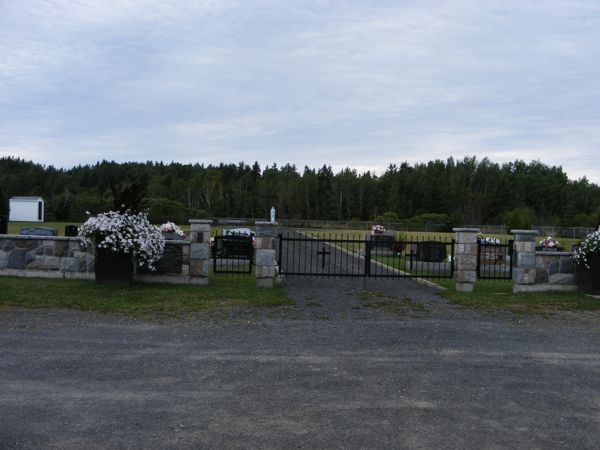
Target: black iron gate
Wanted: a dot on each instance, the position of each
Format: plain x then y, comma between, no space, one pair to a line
494,260
333,255
232,254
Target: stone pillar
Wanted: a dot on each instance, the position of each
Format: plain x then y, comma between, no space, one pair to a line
199,251
266,235
524,260
465,258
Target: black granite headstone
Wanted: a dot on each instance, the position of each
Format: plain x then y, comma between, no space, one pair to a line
429,251
3,225
71,231
382,241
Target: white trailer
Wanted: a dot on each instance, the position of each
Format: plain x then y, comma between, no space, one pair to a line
26,209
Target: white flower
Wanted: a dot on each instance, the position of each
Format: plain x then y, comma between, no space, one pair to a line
589,246
126,233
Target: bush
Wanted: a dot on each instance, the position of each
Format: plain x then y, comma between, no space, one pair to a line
519,219
388,217
165,210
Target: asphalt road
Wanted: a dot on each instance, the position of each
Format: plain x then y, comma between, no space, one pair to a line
332,371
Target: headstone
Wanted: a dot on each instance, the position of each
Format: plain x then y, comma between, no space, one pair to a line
3,225
71,231
429,251
39,231
381,241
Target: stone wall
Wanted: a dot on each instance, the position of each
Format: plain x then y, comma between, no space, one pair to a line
67,257
554,270
536,271
49,257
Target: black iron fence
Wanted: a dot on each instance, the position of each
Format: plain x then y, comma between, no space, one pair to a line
495,260
379,256
232,254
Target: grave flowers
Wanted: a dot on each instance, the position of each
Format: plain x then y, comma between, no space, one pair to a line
377,229
171,231
587,256
549,244
122,240
488,239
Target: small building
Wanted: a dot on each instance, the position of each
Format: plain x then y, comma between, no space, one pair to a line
26,209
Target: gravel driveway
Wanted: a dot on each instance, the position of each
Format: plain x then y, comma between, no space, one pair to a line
390,367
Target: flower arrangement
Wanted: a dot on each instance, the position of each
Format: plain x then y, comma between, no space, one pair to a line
488,239
549,242
589,247
378,229
125,232
170,227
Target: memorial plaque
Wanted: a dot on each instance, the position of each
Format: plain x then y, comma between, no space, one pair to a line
39,231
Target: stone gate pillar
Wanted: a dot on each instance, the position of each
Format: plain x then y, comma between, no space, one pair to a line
199,251
524,260
465,258
266,236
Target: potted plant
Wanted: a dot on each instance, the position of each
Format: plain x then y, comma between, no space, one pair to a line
587,256
123,238
122,241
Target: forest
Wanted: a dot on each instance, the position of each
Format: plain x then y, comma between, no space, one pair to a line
451,192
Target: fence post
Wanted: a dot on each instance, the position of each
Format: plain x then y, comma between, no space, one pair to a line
199,251
465,255
266,235
524,259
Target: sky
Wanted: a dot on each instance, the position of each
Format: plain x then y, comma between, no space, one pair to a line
347,83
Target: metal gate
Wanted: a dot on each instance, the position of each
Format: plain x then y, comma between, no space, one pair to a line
494,260
232,254
333,255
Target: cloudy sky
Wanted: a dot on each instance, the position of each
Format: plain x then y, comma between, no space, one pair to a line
358,83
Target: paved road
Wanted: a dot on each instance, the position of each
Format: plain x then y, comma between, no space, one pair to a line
336,370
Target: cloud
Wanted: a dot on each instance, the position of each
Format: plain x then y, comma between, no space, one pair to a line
343,82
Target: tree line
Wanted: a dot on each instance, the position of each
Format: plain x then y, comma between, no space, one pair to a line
467,191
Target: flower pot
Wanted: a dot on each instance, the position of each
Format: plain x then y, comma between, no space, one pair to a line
113,268
588,280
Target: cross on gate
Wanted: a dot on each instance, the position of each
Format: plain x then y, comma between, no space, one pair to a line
323,253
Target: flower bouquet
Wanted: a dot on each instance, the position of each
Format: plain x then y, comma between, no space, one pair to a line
377,229
171,231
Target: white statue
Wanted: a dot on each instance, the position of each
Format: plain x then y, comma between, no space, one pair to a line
272,214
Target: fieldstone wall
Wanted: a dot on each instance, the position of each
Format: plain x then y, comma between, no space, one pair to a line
67,257
48,257
554,271
536,271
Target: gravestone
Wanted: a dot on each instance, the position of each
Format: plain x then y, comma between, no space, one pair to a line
3,225
71,231
429,251
39,231
381,241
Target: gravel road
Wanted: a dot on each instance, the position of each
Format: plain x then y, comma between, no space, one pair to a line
392,366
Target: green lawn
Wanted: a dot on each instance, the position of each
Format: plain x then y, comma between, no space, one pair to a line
140,298
498,295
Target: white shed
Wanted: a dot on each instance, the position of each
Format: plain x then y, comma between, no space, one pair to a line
26,209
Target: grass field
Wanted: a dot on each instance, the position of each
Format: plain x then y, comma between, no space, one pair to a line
140,298
566,243
498,295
